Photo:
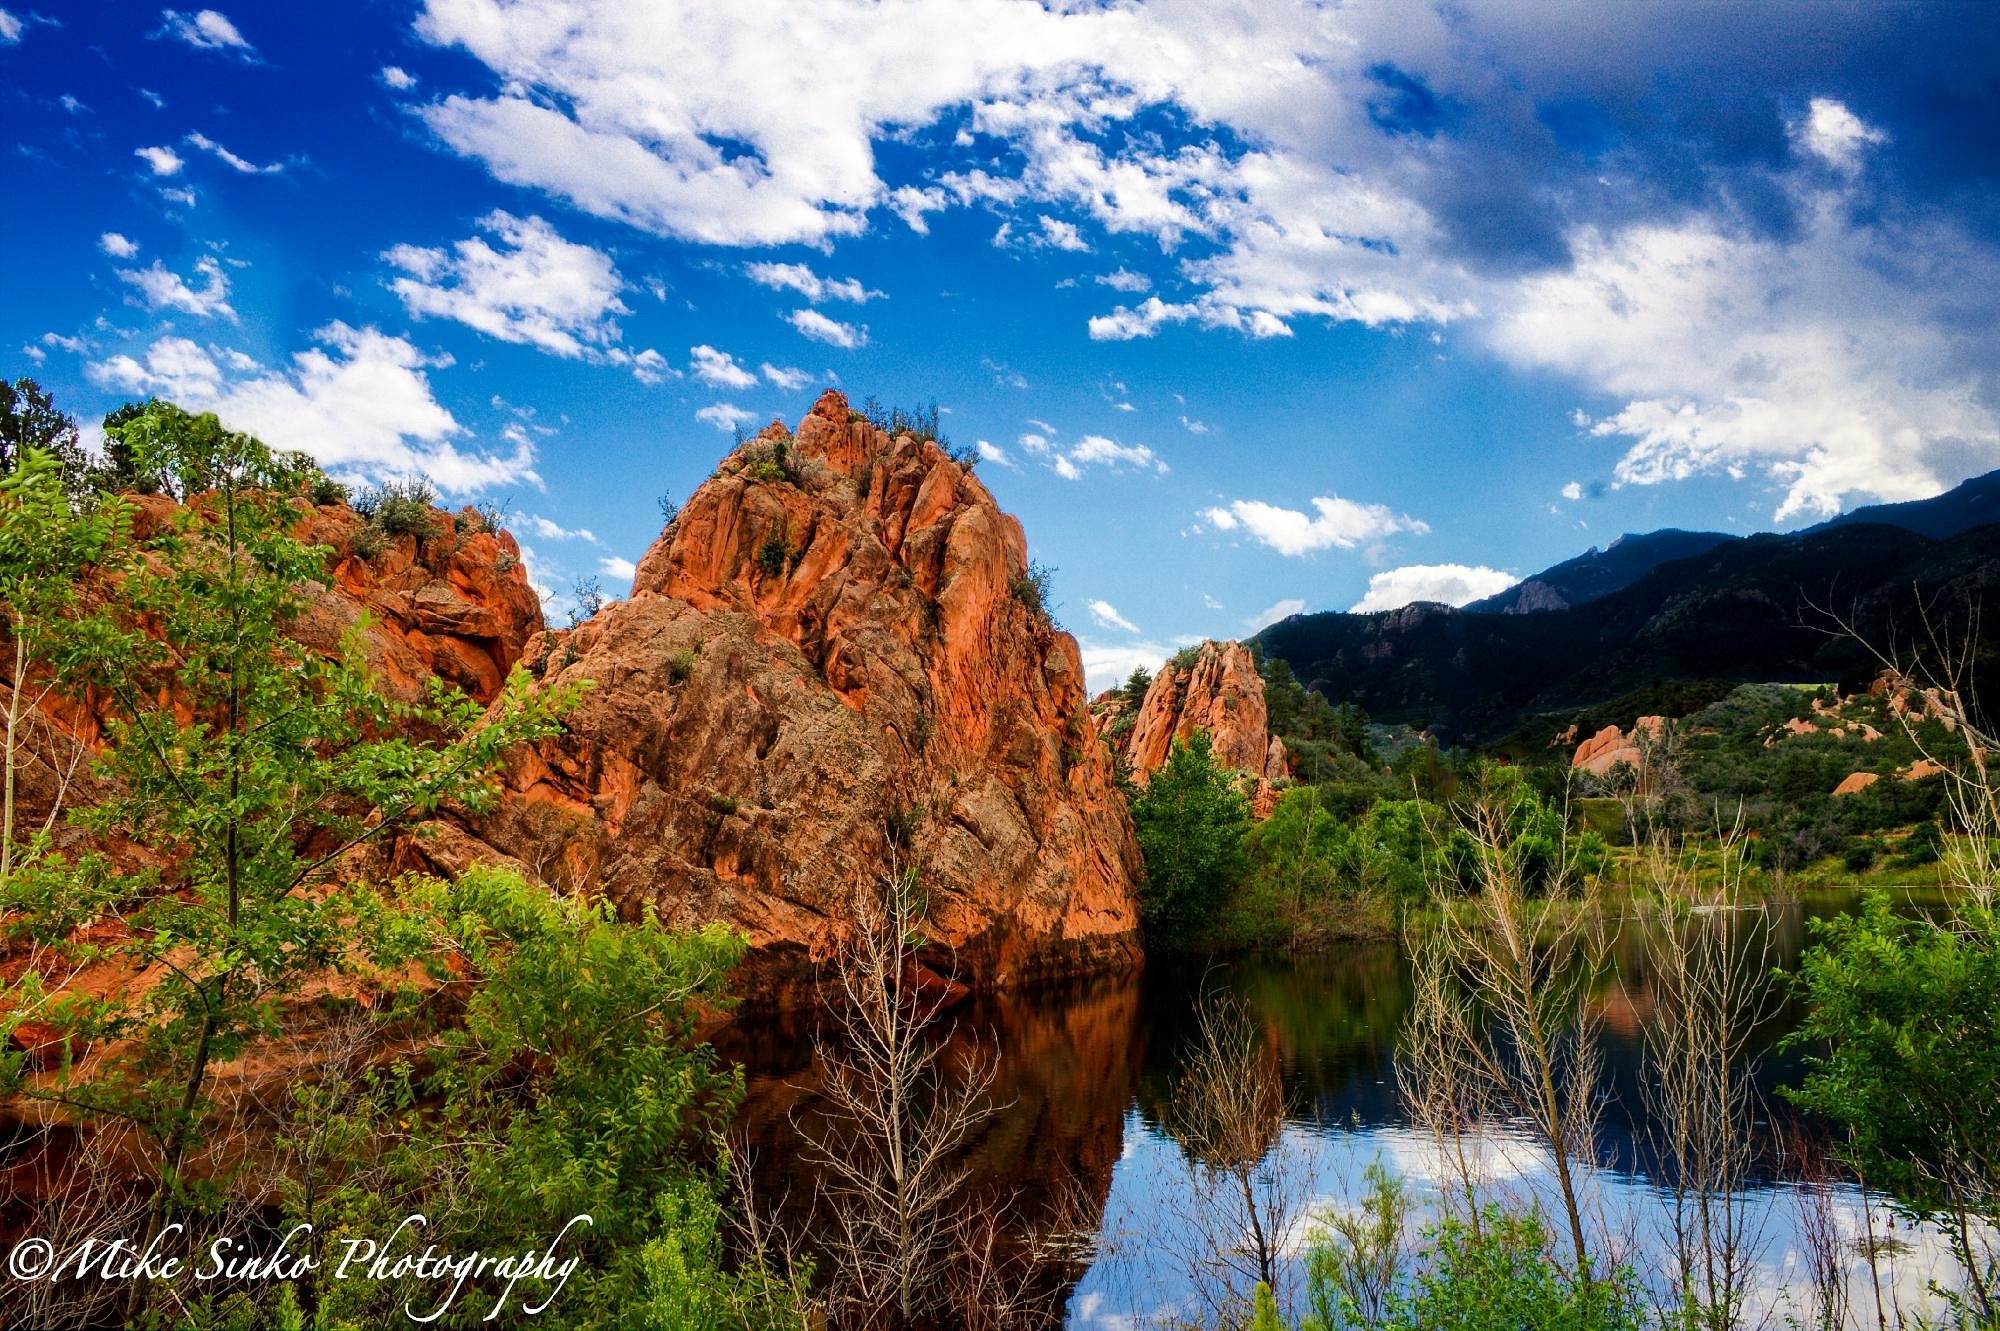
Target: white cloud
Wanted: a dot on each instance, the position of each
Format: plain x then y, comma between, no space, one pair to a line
1836,357
359,402
10,29
1573,491
797,277
166,290
1193,426
1106,614
248,168
994,453
718,368
184,197
205,29
1148,317
534,288
1336,522
395,76
174,368
163,161
1107,665
1094,450
116,245
725,415
1834,134
1274,612
1125,280
789,378
550,530
1827,360
830,331
1453,584
614,567
650,367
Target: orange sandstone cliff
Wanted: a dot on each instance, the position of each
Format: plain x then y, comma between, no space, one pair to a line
831,665
1216,688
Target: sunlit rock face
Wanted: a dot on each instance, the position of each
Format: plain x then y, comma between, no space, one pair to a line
1218,690
830,666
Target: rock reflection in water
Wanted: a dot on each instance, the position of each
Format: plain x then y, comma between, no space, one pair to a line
1086,1074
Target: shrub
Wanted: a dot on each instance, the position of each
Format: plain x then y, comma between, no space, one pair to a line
777,555
325,490
1191,822
1032,588
1501,1278
680,665
400,508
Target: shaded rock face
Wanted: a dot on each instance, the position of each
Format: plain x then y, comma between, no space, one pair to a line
1220,691
827,667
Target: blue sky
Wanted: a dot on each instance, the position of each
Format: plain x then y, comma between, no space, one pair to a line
1252,307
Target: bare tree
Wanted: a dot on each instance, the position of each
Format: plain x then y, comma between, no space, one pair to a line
1508,1022
899,1116
1248,1191
1709,963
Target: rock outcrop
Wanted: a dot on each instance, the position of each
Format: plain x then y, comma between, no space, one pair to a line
833,663
833,666
1612,746
1216,688
1856,782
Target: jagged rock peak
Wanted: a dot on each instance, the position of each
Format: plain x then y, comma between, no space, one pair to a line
833,660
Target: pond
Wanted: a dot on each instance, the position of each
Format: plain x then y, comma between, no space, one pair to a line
1083,1073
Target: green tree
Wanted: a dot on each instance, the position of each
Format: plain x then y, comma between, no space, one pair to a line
29,420
1191,822
1500,1277
248,767
1264,1310
1902,1030
571,1082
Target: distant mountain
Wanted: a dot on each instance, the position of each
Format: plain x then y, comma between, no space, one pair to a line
1969,504
1596,573
1750,609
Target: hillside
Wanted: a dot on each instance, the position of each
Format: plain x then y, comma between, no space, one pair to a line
1747,610
1596,573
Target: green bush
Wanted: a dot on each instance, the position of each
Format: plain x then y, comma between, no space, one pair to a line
1032,588
1191,823
400,508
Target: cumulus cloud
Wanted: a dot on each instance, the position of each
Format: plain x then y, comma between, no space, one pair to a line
1274,612
1106,665
993,453
235,163
398,78
205,30
549,530
163,289
1834,134
1125,280
1826,361
613,566
1383,165
725,415
1095,450
116,245
10,29
1573,491
1106,615
359,401
1452,584
1334,522
830,331
163,161
788,377
797,277
533,287
718,368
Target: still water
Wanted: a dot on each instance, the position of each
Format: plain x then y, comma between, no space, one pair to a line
1083,1074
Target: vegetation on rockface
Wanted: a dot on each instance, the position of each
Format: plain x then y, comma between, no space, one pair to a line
547,1065
1191,821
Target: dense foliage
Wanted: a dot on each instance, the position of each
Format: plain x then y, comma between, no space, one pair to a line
1190,821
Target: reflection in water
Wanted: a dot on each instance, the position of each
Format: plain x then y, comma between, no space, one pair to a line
1086,1076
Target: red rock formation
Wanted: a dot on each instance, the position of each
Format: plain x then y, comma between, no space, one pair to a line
1856,782
829,662
1217,689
